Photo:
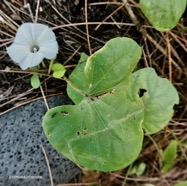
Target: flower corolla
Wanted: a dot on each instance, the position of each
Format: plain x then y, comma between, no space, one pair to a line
33,42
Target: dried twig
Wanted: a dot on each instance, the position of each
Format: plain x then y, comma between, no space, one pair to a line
37,9
92,23
110,15
29,8
47,106
48,166
87,30
169,56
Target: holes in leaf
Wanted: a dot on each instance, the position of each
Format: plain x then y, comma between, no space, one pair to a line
90,86
78,133
92,98
141,92
65,113
86,95
104,163
53,115
85,133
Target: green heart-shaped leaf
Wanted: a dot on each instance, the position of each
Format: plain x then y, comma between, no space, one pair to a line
35,81
111,64
163,14
159,98
96,135
59,70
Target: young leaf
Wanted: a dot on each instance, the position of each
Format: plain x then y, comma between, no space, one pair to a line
163,14
35,81
59,70
169,156
159,98
138,169
96,135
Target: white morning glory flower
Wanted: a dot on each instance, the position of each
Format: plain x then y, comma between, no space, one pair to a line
33,42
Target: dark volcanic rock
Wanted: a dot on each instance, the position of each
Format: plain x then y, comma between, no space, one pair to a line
22,161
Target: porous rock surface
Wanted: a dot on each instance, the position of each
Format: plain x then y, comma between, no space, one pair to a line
21,134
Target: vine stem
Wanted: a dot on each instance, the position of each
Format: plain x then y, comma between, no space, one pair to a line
87,30
50,65
156,146
125,179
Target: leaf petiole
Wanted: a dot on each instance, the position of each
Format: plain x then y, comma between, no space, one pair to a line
76,89
50,65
